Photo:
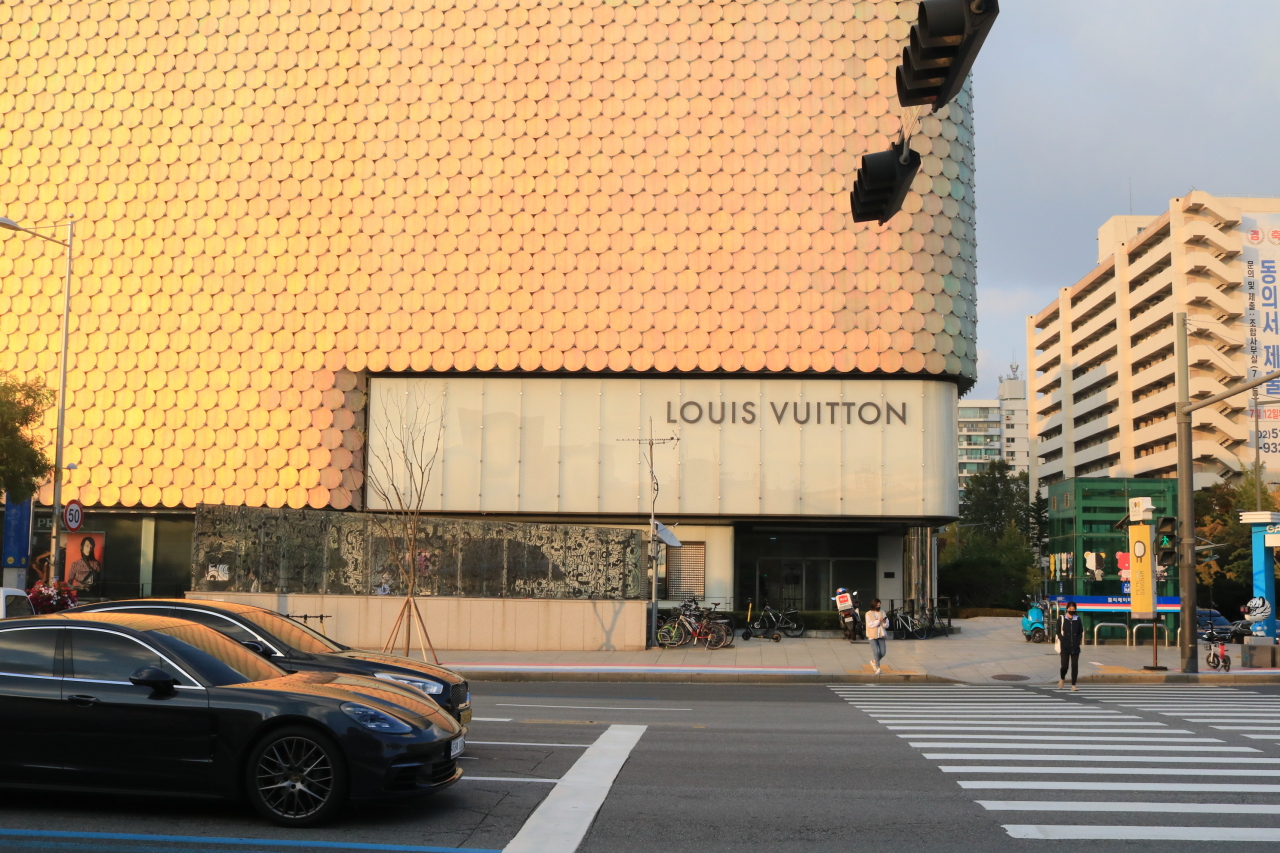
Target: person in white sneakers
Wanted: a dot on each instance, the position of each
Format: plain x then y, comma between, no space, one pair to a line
877,622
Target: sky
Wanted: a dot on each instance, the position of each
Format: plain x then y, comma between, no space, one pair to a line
1076,101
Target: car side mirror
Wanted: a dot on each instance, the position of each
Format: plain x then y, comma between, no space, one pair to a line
256,647
155,678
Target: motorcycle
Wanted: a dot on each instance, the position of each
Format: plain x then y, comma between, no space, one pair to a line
1033,624
850,613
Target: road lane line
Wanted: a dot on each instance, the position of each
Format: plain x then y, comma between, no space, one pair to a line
1140,747
519,743
1092,785
265,843
1055,737
1106,771
1165,759
1099,806
468,778
587,707
1142,833
490,719
560,823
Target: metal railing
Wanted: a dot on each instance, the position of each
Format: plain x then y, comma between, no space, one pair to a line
1122,626
1154,636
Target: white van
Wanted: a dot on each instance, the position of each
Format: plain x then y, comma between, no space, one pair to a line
14,603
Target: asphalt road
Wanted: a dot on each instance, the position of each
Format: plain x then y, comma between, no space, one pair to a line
777,768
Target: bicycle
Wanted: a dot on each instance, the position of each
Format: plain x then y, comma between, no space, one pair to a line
1216,646
787,621
692,623
907,624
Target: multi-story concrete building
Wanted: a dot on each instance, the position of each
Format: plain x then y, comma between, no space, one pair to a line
573,220
993,429
1101,356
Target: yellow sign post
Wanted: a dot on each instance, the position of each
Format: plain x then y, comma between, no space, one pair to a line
1142,587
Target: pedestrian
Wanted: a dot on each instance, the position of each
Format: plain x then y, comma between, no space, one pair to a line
876,624
1070,636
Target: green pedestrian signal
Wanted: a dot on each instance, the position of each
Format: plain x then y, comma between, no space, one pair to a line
1167,541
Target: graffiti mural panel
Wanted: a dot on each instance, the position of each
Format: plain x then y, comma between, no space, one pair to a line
250,549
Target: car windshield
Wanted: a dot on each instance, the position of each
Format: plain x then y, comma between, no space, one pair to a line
220,660
292,633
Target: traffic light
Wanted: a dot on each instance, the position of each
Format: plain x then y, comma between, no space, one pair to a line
1167,541
944,41
883,181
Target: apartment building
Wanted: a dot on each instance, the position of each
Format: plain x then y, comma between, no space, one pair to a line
993,429
1101,356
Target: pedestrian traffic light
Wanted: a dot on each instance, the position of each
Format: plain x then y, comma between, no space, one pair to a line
1167,541
943,43
883,181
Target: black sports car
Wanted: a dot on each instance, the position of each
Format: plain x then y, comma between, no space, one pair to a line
296,647
111,702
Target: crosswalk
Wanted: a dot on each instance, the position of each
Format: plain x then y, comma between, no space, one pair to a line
1101,764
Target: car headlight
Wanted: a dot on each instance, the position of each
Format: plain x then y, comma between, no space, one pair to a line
372,718
432,688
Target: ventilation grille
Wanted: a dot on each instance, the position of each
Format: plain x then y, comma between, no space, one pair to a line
687,571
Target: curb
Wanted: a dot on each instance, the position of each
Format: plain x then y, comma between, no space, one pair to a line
704,677
1181,678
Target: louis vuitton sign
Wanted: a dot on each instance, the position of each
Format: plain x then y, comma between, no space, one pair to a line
748,446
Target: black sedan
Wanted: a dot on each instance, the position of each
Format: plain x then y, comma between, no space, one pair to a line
114,702
296,647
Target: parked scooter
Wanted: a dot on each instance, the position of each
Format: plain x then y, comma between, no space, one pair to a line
1033,624
850,613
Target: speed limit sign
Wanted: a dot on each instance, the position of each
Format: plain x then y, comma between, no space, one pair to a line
73,515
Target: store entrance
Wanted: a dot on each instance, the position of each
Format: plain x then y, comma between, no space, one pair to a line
802,568
811,584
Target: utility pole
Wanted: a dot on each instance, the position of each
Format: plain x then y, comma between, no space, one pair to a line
1186,502
654,527
1186,485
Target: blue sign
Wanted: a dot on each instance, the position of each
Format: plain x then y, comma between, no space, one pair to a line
16,553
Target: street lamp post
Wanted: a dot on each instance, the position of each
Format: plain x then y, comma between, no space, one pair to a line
55,568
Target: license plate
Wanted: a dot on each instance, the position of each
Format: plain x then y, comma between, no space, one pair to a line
456,748
848,618
464,716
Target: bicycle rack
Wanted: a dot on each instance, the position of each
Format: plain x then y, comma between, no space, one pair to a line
1155,637
1119,625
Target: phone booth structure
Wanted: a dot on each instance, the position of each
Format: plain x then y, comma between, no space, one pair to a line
1265,528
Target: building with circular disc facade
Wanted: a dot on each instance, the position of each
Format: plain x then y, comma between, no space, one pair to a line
281,205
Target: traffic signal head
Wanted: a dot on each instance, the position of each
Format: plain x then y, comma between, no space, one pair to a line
1167,541
882,183
944,41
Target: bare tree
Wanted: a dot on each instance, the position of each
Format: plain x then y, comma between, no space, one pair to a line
409,437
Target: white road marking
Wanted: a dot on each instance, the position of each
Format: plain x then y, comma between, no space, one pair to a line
560,823
1143,833
1055,737
1166,759
490,719
1138,747
586,707
1107,771
1100,806
979,726
1245,729
1092,785
519,743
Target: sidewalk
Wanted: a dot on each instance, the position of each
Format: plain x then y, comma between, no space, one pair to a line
990,650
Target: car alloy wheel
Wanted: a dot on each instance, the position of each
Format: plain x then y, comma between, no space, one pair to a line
296,777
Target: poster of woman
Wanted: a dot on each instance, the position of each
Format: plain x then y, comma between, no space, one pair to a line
84,555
